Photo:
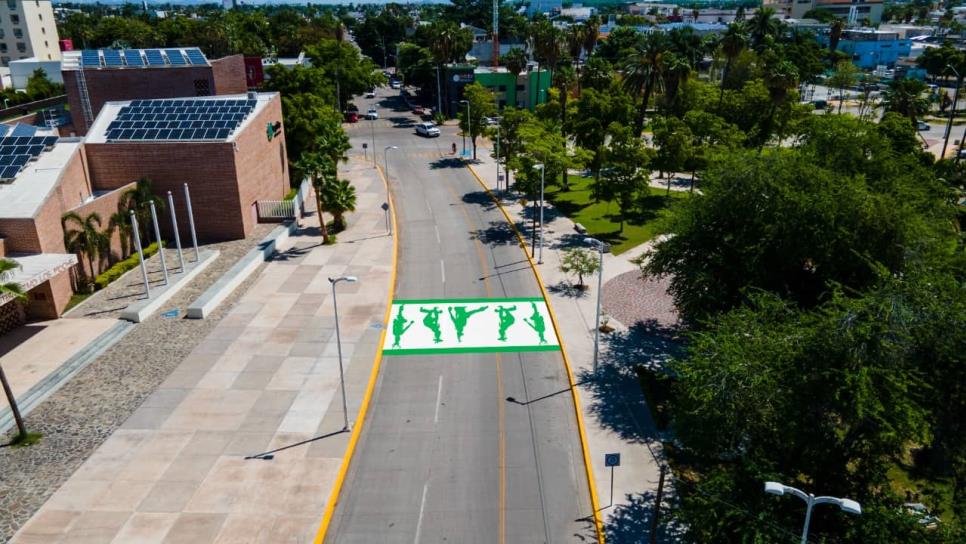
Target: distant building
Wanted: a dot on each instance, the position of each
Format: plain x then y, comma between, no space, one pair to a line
95,76
544,6
856,11
523,91
871,48
27,29
578,12
21,70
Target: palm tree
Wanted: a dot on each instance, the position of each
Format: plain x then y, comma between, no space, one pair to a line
317,166
763,24
641,69
85,240
675,70
780,76
591,35
339,197
9,289
449,44
547,46
835,34
120,222
138,199
733,42
515,61
904,96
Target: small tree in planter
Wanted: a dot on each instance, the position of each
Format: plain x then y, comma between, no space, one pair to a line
580,262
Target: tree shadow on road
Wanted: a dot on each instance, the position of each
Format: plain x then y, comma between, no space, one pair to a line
499,233
446,162
567,289
630,522
481,199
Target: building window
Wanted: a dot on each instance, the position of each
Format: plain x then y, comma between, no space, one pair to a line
501,88
202,87
3,48
18,33
2,34
519,87
11,4
14,18
22,47
4,60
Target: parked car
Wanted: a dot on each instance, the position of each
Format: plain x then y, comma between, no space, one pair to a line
371,93
395,84
428,130
921,125
418,110
820,104
492,121
351,117
372,114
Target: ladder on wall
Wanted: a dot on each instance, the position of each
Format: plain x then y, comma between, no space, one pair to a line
85,98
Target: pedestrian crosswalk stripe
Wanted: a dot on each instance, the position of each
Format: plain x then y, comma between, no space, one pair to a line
438,326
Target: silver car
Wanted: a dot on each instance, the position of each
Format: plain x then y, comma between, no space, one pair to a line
428,130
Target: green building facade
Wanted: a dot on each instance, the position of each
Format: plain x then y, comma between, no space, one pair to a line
521,91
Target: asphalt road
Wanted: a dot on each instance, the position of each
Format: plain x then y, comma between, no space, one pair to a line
443,456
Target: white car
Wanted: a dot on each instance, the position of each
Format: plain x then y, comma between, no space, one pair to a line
395,84
372,114
370,94
428,130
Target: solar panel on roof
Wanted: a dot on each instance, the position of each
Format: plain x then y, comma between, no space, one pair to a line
195,56
23,130
3,130
112,57
175,57
10,172
154,57
90,57
133,57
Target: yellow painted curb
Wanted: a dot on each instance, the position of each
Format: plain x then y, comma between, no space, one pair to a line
361,417
598,523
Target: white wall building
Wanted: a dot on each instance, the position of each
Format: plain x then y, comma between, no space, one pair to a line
22,69
27,29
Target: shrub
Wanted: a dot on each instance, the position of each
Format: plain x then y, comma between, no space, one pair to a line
118,270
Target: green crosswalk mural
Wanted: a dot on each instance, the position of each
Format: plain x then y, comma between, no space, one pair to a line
433,326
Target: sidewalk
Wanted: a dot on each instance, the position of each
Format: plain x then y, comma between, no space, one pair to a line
266,377
615,413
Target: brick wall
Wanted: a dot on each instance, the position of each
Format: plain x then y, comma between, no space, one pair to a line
48,300
229,74
130,84
21,235
260,164
207,168
3,248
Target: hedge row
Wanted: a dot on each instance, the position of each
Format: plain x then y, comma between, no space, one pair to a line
119,268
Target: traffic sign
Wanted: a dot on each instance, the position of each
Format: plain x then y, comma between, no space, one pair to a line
612,459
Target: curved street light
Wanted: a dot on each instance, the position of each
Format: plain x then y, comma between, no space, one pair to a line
847,505
338,340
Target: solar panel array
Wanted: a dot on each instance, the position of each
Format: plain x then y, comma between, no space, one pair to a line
155,120
140,58
17,151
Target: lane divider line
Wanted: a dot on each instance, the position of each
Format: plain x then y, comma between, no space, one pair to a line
371,386
598,522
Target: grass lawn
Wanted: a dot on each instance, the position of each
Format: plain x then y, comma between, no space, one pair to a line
76,299
602,220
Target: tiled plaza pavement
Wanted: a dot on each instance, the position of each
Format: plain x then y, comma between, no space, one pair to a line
266,376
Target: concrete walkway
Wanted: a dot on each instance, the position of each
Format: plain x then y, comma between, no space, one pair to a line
266,378
614,409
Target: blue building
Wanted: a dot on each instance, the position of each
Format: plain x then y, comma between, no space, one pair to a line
870,48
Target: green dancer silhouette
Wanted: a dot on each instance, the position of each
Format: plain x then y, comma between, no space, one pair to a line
506,319
432,322
459,316
399,327
536,323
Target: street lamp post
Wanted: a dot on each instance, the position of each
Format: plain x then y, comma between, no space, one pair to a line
385,157
338,340
600,292
543,173
469,127
498,158
952,110
372,135
847,505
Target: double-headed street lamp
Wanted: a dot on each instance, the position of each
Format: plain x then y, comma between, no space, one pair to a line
543,172
600,291
338,340
847,505
385,156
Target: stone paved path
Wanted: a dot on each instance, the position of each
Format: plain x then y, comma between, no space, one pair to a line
265,376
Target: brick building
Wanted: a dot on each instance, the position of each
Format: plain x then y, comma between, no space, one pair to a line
226,174
94,77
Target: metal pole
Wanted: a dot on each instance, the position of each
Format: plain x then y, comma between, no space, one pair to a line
174,226
157,238
12,401
612,485
137,244
543,173
952,112
338,341
191,221
533,229
655,520
439,93
372,133
808,517
600,289
469,127
498,158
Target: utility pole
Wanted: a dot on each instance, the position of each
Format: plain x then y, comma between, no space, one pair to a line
496,33
656,518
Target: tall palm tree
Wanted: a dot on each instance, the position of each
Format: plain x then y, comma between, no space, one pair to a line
763,24
339,198
641,70
138,199
120,223
835,34
904,96
317,166
675,70
449,44
9,289
780,77
515,61
733,42
591,34
85,240
547,46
